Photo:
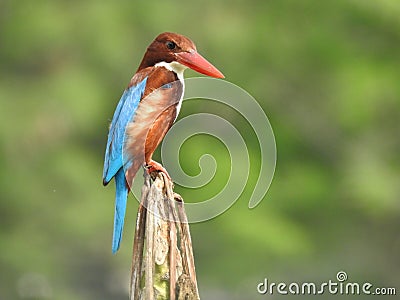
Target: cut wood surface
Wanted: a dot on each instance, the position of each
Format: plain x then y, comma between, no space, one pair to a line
162,261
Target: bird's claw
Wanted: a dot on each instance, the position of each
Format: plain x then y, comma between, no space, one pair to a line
154,166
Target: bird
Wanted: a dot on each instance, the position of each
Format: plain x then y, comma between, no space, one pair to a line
145,112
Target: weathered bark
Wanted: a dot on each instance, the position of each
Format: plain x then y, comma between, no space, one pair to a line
162,261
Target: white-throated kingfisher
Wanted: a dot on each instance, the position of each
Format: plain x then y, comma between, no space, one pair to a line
145,112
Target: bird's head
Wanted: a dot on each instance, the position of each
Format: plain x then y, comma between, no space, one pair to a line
172,47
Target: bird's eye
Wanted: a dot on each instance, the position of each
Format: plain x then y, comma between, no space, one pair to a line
171,45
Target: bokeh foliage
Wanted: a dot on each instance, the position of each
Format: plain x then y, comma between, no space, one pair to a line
325,72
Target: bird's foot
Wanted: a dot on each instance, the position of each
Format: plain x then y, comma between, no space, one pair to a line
154,166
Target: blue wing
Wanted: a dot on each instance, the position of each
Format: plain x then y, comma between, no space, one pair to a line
113,161
124,113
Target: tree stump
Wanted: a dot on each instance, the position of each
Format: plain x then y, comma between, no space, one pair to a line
162,260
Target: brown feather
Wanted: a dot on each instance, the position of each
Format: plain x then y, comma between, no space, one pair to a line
154,116
158,50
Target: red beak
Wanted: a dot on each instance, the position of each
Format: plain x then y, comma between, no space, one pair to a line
198,63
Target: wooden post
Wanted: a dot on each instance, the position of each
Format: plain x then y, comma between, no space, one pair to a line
162,260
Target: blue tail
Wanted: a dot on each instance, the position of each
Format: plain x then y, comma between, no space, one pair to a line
121,196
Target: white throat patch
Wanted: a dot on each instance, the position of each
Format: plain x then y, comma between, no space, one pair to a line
178,69
174,67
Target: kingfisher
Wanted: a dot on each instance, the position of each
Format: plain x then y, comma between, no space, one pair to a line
144,114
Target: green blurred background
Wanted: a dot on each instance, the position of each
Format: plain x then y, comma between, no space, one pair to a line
326,73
